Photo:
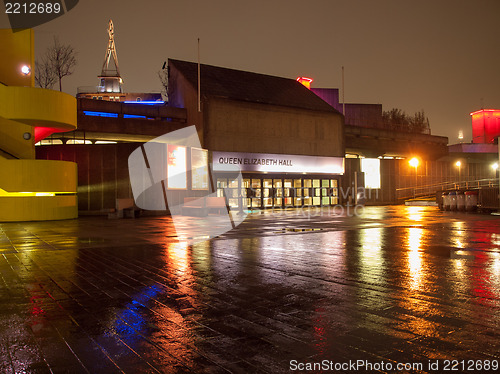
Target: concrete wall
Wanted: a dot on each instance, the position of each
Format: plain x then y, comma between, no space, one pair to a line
182,95
364,115
370,142
237,126
103,174
102,171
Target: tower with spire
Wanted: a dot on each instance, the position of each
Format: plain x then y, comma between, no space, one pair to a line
110,79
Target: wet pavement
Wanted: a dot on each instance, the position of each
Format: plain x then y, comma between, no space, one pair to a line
283,292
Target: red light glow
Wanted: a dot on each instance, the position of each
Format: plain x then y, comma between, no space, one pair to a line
485,125
305,81
43,132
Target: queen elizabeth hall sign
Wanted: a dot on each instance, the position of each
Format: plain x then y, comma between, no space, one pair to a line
274,163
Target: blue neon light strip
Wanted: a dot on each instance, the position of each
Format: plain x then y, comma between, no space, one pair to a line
145,102
132,116
100,114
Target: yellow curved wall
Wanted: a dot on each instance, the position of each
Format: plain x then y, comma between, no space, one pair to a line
17,49
38,107
40,208
38,176
31,190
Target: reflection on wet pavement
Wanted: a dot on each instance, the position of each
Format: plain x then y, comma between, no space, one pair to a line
395,284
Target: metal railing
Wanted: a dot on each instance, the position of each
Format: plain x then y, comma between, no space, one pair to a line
90,89
429,190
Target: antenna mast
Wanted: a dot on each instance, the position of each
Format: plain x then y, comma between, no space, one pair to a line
110,79
110,51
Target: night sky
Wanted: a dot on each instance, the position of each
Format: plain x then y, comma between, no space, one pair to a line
442,56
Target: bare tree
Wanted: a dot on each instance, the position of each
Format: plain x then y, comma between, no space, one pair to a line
163,75
60,60
45,76
398,119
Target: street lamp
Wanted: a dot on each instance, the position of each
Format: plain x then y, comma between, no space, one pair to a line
414,163
25,70
458,164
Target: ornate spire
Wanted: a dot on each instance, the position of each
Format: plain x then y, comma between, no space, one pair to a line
110,79
108,71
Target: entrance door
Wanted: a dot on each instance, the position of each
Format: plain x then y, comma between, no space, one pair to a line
278,193
307,192
256,193
267,193
297,185
288,192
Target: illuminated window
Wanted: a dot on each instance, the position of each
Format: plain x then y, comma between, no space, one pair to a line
176,167
371,168
199,169
78,141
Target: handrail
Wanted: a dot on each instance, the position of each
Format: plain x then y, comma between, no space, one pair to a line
495,180
431,189
8,153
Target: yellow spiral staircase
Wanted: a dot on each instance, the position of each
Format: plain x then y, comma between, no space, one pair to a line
31,190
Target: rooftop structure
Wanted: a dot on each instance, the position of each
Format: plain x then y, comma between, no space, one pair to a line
110,78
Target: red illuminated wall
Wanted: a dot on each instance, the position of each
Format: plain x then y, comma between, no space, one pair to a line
485,125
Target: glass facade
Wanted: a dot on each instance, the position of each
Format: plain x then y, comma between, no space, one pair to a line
265,192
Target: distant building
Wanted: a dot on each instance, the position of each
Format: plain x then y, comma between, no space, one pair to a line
288,143
485,126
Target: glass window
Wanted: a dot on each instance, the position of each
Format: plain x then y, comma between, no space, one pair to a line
268,183
199,169
255,183
176,167
297,183
315,182
255,203
325,183
371,168
307,183
221,182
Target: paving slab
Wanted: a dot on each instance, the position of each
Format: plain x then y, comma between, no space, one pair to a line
285,291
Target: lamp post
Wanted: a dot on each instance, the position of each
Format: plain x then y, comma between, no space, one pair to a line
494,166
458,164
414,163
